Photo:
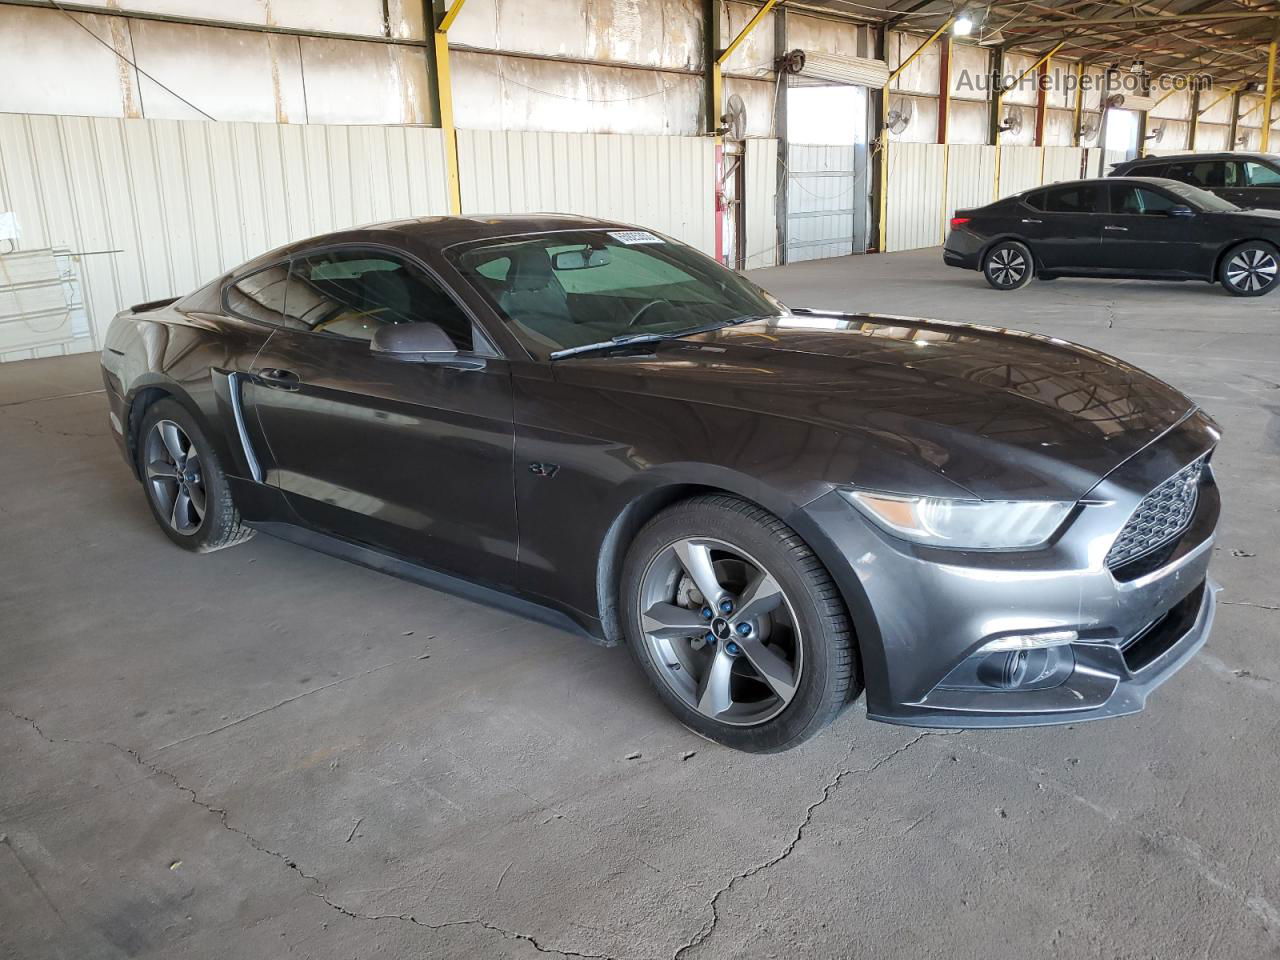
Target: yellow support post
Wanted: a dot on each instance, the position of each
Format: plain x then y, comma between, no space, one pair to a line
884,133
444,94
1079,104
1268,96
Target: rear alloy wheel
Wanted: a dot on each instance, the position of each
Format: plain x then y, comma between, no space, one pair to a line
737,625
1008,265
185,485
1250,270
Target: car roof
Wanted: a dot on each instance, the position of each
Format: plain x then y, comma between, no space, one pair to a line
1160,181
1220,155
430,235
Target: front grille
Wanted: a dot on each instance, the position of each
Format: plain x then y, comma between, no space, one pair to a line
1160,518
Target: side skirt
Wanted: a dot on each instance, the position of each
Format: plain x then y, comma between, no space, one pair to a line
427,577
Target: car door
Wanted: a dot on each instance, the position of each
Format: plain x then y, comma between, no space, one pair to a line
1225,178
1063,228
411,457
1140,235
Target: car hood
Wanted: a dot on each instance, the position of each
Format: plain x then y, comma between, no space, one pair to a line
1002,414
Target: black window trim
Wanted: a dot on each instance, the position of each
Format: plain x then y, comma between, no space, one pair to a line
494,351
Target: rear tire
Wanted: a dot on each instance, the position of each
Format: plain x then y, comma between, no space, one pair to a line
185,485
773,662
1250,269
1008,265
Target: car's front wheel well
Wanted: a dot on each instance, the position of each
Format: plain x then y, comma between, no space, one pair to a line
617,540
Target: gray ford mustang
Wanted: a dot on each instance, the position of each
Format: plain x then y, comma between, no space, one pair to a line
773,508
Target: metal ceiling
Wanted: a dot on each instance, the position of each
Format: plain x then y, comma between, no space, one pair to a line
1225,38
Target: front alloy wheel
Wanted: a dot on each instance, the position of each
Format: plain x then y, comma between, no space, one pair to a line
1250,269
1008,265
737,624
721,631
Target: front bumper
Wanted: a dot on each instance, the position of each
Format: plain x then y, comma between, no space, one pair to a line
923,614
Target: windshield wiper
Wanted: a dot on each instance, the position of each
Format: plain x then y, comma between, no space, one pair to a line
630,339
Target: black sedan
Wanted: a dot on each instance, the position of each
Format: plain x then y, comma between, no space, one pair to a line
1132,228
598,426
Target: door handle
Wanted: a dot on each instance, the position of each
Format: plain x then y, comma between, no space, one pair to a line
1119,229
275,377
1025,220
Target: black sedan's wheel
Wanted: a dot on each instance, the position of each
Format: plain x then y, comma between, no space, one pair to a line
1250,269
737,624
1008,265
185,485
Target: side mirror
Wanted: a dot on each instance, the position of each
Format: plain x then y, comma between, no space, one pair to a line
1181,210
423,342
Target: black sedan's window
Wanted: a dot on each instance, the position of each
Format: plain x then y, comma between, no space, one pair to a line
1077,198
1131,199
1207,173
351,293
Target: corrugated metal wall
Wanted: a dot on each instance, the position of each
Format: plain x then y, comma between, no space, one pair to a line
154,208
914,199
761,203
922,199
666,183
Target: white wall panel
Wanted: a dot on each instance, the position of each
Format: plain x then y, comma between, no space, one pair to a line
971,173
913,217
154,208
664,183
761,203
1061,163
1020,169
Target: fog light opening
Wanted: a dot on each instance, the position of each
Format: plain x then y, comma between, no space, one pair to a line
1004,670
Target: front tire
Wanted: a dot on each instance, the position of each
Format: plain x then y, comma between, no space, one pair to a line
185,485
1250,269
1008,265
737,625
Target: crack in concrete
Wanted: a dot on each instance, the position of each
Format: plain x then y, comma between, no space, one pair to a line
1250,603
1184,848
320,893
709,927
286,701
59,396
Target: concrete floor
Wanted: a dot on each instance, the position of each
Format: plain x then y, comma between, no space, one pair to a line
266,751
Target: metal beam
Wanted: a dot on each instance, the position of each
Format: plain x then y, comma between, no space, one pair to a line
760,14
1268,95
447,20
1078,110
444,94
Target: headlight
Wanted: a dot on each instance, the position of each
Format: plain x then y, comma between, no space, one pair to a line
964,524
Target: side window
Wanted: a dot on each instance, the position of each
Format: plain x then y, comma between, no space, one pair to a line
1152,170
260,296
1261,175
1138,201
353,292
1080,198
625,272
1035,200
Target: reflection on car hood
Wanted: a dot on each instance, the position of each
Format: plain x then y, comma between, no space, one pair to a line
1000,413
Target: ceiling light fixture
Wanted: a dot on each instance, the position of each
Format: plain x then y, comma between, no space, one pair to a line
963,25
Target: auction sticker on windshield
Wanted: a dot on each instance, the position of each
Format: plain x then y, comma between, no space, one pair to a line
635,236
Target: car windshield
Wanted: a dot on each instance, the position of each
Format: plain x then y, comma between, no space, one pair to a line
1201,199
572,288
